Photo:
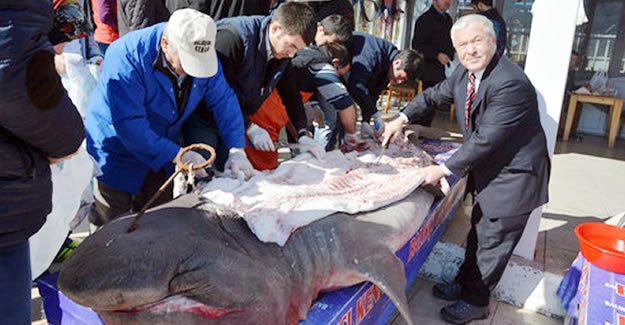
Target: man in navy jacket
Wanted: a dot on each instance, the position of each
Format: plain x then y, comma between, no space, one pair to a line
151,82
375,63
255,52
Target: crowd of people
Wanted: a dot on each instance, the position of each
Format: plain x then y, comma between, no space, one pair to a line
233,74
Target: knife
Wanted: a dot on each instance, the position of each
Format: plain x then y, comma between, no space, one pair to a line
384,147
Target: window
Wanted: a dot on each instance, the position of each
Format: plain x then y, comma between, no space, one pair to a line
518,17
601,42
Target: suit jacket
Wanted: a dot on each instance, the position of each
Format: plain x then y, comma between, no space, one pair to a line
504,152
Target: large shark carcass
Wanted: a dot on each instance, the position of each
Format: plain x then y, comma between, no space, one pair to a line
193,261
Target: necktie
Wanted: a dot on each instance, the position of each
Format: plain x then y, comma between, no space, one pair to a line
469,101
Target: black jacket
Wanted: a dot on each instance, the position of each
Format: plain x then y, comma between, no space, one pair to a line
37,119
241,46
431,36
223,8
136,14
324,9
372,58
311,54
504,152
500,29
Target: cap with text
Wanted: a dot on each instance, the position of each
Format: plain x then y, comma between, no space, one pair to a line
193,33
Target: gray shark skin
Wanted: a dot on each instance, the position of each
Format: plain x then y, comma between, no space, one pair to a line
188,264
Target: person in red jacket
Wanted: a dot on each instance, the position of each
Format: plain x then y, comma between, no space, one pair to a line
105,19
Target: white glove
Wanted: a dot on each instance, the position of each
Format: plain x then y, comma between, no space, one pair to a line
196,159
238,164
260,138
312,146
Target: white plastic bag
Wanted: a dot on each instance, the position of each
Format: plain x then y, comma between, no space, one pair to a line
79,80
70,179
599,79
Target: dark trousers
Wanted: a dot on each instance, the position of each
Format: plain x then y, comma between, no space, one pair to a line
15,284
203,129
490,243
111,203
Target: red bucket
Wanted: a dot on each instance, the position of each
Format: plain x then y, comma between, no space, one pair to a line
603,245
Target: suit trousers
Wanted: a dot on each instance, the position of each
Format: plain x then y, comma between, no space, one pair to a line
490,243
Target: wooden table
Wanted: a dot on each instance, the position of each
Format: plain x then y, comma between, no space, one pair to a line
616,107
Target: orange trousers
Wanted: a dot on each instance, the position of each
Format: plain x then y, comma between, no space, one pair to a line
272,117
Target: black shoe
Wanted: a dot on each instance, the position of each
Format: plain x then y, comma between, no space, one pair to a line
447,291
462,312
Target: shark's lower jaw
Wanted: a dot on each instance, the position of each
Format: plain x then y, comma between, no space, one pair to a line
180,304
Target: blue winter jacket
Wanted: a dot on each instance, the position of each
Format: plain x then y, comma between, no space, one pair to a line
133,124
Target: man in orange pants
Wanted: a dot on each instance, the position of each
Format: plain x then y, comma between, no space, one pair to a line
272,117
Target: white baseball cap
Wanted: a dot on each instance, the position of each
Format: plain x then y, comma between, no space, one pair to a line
193,33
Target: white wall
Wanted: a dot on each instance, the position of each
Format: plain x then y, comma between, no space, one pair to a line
548,54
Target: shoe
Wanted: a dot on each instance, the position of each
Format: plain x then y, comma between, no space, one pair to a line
462,312
447,291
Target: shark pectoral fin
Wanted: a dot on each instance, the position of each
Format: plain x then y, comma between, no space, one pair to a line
386,271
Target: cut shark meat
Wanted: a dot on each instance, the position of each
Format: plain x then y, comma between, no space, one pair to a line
305,189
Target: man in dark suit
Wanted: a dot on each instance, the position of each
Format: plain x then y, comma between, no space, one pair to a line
504,156
431,37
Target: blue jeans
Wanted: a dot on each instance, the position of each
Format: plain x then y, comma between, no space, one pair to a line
199,130
15,284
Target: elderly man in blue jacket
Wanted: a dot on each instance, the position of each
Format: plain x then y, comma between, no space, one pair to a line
151,82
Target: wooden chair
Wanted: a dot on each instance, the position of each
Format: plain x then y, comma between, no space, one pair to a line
452,112
402,93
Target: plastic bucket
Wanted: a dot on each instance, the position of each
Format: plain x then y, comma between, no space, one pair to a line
603,245
602,280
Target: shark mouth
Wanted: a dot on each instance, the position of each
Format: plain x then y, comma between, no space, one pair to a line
181,304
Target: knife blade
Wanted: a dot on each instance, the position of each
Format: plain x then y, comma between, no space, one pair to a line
384,147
